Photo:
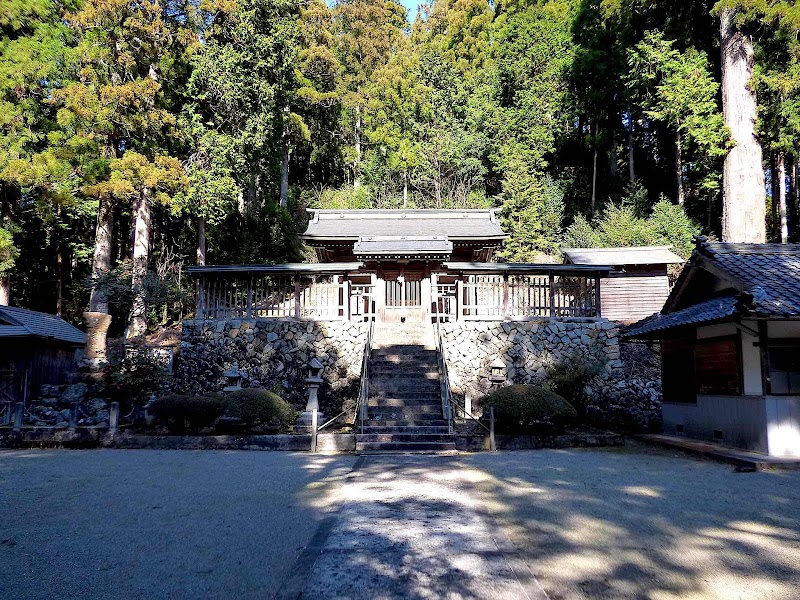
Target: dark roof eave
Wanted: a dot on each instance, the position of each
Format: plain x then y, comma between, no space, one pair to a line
300,268
601,270
354,238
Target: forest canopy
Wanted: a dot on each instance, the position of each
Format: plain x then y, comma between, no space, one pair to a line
139,137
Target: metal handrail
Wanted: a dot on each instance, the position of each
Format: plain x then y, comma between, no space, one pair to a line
449,403
363,391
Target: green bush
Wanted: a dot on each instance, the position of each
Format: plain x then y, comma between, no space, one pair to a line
133,375
529,409
257,406
187,413
569,378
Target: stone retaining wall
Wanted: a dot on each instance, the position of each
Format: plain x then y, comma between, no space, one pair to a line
274,353
530,349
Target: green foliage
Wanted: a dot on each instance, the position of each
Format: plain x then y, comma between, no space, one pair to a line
529,409
8,253
181,413
622,225
259,407
569,377
133,375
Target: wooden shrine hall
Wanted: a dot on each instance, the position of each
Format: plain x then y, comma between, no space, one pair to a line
401,265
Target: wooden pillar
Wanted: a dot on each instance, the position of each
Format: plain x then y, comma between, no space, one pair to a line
434,302
506,307
551,281
297,296
597,311
459,296
249,311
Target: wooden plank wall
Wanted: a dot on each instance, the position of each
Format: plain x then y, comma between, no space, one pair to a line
631,297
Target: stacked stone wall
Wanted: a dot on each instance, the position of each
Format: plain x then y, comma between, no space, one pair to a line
530,350
274,353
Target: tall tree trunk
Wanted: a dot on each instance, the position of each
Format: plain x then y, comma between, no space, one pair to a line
594,181
743,200
774,193
405,189
101,260
5,290
782,199
631,165
679,168
357,135
137,325
285,175
60,282
201,241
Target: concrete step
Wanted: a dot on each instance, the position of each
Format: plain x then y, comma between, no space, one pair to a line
422,421
413,389
393,352
411,401
395,371
421,409
409,429
405,446
403,437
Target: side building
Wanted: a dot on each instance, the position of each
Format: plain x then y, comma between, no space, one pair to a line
730,346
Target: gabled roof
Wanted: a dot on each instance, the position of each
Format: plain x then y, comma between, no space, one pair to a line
757,281
403,247
634,255
457,225
710,311
20,322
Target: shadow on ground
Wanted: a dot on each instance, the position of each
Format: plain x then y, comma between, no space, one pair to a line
643,523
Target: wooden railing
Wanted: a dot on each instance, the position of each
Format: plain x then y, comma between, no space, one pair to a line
473,292
495,297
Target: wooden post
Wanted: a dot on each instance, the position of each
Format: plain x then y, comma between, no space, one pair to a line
434,304
249,312
314,417
597,312
73,415
297,297
552,287
113,418
492,442
459,296
19,413
506,307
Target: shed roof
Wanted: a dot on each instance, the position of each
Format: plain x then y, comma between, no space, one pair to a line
528,268
457,225
760,281
633,255
20,322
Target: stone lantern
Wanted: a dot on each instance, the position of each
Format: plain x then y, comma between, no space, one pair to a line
497,372
234,377
313,381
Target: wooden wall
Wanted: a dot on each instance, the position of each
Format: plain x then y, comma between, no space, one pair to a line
630,297
25,365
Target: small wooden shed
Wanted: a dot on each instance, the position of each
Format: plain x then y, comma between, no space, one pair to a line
35,349
639,284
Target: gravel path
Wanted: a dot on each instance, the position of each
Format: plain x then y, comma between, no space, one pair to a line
414,527
158,524
623,523
637,522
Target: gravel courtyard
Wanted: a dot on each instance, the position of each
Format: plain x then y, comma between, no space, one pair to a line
631,522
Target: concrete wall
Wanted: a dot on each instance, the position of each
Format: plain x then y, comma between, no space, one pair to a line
275,354
741,419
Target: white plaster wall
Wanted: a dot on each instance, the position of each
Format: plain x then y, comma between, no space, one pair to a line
742,420
783,425
783,329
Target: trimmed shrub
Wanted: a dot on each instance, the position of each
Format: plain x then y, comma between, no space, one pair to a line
569,378
181,413
529,409
259,407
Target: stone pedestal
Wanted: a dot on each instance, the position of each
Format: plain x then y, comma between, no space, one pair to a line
305,420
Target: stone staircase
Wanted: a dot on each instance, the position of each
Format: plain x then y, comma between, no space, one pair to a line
404,408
